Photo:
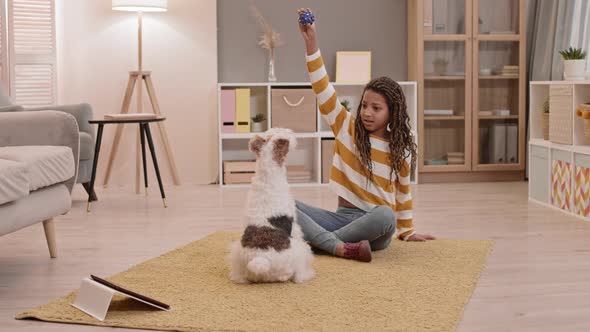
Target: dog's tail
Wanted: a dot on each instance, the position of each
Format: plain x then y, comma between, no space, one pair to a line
259,265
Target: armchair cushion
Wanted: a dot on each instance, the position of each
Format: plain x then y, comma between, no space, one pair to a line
41,128
45,165
14,182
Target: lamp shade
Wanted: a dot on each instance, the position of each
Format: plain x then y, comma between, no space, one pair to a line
141,5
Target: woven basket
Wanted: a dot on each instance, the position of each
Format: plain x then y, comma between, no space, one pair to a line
545,125
561,125
585,108
587,128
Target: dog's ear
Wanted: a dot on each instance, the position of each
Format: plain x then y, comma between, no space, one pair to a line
280,150
256,144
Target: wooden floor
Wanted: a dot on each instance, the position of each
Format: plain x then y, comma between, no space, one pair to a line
537,278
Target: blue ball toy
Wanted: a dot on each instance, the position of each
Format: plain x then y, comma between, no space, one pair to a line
306,17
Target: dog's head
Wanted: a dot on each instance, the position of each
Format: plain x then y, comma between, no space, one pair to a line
273,145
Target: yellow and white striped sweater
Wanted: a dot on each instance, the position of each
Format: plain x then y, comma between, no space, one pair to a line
347,178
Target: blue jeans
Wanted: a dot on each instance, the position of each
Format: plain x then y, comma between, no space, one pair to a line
326,230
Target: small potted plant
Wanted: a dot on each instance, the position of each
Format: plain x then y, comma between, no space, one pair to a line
573,63
258,123
545,119
583,111
440,66
346,104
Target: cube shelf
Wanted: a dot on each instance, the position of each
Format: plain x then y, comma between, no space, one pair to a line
310,155
559,174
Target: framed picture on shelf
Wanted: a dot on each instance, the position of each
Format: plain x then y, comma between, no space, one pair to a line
353,67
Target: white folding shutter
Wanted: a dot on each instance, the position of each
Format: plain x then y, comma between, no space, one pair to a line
4,72
31,28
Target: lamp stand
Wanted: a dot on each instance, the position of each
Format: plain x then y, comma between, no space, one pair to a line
139,77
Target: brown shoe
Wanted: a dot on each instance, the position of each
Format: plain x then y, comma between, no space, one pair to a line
360,251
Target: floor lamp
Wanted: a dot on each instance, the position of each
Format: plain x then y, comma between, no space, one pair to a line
138,78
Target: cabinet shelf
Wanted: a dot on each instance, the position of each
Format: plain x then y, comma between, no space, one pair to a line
444,117
444,78
499,117
498,37
445,37
499,77
558,170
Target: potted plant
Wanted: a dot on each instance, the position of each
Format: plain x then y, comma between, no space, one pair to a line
583,111
573,63
440,66
258,123
346,104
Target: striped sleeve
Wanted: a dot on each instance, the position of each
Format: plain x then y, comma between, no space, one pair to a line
403,204
330,108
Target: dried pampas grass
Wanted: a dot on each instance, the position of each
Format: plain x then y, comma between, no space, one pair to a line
270,39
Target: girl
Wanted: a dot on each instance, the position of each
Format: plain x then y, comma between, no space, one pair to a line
369,173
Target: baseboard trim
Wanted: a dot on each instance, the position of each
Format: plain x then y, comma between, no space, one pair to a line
461,177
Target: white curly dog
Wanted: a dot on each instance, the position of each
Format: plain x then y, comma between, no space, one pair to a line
272,247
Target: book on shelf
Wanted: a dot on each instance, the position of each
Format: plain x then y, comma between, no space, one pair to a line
228,111
497,112
509,70
439,112
497,147
435,162
298,174
501,112
512,143
455,154
242,110
456,158
130,116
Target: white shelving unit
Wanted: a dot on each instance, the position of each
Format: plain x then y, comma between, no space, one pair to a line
553,166
234,146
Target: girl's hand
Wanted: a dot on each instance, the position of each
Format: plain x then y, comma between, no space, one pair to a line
308,33
421,237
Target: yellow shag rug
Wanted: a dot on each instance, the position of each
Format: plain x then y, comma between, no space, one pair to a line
408,287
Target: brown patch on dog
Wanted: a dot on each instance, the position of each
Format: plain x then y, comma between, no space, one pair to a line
264,237
256,144
283,222
279,153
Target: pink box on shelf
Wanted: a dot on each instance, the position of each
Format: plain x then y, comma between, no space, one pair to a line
228,111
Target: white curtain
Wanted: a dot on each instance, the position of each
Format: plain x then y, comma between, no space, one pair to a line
550,25
580,36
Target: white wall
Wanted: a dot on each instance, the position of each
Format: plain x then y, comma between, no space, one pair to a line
97,47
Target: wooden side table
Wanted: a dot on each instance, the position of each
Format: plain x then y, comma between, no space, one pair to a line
144,128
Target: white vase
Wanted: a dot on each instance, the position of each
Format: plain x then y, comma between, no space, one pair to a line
272,77
258,127
574,69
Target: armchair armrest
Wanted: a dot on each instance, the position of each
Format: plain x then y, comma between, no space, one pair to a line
82,113
41,128
11,108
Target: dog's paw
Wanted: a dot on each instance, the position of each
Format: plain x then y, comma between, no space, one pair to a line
239,279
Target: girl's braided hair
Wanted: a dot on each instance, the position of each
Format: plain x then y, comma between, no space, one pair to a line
401,144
